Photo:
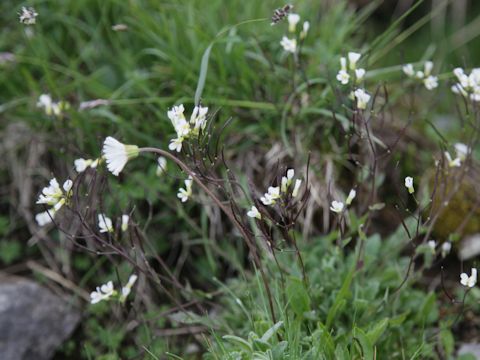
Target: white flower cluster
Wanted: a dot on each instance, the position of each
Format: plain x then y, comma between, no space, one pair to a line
345,73
105,224
51,107
469,281
54,196
185,193
429,81
106,291
184,128
290,44
338,206
468,85
409,184
28,16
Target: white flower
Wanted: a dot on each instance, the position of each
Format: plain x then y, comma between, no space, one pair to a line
67,185
176,144
432,244
184,194
45,102
351,196
161,166
419,75
306,28
296,187
431,82
409,184
353,58
343,77
117,154
178,120
28,15
125,219
362,98
359,74
104,223
408,70
287,180
293,20
452,162
469,281
128,287
446,247
45,217
254,213
289,45
102,293
271,196
428,67
462,151
81,164
198,118
337,206
51,194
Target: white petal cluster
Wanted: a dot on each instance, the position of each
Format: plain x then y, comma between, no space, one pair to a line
351,195
305,30
28,16
469,281
446,248
457,162
128,287
345,73
289,45
429,81
103,292
55,196
51,107
185,193
363,98
125,220
462,151
467,85
432,244
82,164
117,154
271,196
105,223
293,20
409,184
337,206
184,128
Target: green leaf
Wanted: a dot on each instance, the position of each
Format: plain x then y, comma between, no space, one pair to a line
298,296
241,343
341,353
377,330
340,298
366,347
270,332
203,73
447,341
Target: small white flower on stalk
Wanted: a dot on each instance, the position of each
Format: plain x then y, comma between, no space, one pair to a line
184,194
51,194
419,75
408,70
343,64
362,98
103,292
128,287
50,107
469,281
125,219
432,244
343,77
462,151
104,223
81,164
28,16
353,58
45,217
359,74
161,166
293,20
350,197
337,206
287,180
306,28
117,154
452,162
254,213
176,144
431,82
271,196
427,68
296,187
198,118
289,45
409,184
446,248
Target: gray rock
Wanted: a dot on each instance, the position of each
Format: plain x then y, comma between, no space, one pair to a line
33,321
472,349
